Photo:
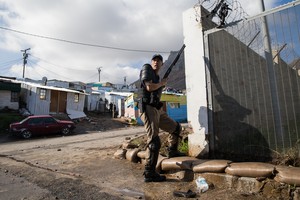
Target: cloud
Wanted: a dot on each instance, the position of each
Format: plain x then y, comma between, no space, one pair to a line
137,25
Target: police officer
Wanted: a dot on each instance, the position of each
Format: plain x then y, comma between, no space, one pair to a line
155,118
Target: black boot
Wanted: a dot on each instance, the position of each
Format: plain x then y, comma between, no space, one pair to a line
173,152
150,174
153,176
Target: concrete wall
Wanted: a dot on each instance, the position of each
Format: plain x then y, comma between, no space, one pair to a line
195,83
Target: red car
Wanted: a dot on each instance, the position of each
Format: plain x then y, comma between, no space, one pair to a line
41,125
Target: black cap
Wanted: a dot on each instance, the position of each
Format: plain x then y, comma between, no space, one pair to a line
157,56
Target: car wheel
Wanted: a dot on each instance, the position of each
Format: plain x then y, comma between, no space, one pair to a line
26,134
66,131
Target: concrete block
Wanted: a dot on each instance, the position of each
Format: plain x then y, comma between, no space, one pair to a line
219,180
247,184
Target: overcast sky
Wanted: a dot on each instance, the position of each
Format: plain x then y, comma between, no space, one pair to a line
70,39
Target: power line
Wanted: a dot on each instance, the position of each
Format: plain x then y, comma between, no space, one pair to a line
47,70
5,66
59,75
81,43
91,78
6,63
35,71
61,67
71,68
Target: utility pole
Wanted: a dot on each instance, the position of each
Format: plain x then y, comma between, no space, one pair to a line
99,70
25,56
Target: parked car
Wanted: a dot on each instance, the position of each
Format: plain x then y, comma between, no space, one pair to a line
41,125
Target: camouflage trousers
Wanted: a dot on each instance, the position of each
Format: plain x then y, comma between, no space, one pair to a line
154,120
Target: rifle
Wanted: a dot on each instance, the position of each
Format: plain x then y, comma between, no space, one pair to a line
174,62
170,68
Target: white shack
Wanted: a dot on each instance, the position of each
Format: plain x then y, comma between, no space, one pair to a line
42,99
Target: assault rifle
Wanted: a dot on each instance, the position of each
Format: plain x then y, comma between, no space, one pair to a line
174,62
171,67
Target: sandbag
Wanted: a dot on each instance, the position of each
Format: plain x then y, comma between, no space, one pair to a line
131,155
120,154
141,154
250,169
289,175
178,163
159,161
216,166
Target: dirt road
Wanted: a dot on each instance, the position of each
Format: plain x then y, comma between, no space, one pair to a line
73,167
82,166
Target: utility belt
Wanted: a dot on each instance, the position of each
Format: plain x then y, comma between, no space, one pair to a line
154,102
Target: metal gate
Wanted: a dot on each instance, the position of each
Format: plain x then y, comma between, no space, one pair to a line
254,85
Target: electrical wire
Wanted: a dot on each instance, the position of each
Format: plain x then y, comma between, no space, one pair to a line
93,77
70,68
81,43
68,78
104,74
8,63
28,71
6,66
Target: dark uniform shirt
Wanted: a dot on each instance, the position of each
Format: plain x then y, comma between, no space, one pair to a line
148,74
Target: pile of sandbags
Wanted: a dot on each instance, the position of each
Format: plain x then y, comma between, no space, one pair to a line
283,174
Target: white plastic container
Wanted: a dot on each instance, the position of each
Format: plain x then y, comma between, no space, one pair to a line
202,185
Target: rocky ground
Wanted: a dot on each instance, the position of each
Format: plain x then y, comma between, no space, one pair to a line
100,122
82,166
104,122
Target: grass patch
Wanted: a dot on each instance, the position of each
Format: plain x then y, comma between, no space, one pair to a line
183,146
8,118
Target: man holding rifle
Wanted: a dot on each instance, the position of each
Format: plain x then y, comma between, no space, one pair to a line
155,118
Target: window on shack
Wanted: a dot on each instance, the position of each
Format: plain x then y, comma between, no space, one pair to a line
43,94
14,97
76,98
